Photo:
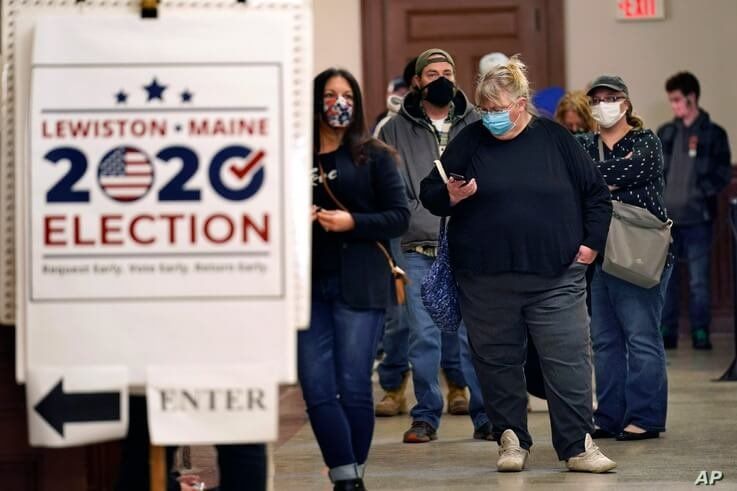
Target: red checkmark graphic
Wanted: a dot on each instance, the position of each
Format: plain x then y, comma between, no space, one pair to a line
241,172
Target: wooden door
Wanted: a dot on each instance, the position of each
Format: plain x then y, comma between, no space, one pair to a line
394,31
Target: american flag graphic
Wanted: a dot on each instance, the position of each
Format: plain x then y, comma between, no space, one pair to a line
125,174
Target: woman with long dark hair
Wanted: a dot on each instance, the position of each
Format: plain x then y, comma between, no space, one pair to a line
359,203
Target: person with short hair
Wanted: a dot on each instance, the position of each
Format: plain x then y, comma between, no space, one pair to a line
491,60
697,166
395,92
432,114
528,217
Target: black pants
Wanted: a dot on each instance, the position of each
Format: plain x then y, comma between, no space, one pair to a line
242,467
500,311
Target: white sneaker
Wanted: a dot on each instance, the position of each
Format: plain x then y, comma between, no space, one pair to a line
512,457
591,460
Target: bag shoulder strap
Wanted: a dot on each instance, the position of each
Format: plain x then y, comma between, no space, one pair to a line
441,171
444,177
323,178
601,149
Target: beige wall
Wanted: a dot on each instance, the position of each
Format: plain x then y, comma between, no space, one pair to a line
697,35
338,35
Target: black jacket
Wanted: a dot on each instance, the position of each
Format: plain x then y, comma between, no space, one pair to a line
374,194
712,166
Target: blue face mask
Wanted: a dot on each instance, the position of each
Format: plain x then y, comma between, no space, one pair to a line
498,123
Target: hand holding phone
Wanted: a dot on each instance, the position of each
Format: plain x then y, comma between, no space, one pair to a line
457,177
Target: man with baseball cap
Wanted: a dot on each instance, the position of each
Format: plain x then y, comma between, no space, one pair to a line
432,114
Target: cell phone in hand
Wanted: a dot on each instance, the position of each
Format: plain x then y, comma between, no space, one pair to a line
458,177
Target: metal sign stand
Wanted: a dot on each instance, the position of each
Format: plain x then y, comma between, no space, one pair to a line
731,374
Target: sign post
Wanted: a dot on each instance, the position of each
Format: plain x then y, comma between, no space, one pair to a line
157,458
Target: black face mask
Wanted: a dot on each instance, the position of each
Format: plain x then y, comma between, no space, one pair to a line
440,92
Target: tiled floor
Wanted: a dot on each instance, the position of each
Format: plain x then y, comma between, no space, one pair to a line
702,435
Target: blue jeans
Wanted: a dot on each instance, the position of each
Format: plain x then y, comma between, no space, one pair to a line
335,360
629,358
396,345
395,340
450,358
692,244
396,350
425,342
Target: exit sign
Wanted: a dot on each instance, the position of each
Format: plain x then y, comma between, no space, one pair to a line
640,9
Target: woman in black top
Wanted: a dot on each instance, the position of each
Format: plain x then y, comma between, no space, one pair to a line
529,215
358,200
631,376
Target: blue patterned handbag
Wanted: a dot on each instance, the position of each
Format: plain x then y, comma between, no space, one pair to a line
439,289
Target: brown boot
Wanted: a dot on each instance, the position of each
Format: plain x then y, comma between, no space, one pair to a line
394,401
457,399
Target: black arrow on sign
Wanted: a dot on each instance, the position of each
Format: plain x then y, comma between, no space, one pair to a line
58,407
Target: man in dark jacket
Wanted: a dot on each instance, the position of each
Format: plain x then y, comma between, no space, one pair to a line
432,114
697,168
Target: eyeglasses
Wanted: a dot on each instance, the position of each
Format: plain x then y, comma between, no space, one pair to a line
481,111
593,101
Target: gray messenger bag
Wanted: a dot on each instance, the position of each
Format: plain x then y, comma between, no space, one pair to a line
637,244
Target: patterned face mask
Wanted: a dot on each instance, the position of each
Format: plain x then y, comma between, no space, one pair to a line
338,114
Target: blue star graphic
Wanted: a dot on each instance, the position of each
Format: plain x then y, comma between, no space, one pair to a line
187,96
155,91
121,97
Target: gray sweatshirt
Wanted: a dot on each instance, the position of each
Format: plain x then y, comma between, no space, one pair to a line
414,138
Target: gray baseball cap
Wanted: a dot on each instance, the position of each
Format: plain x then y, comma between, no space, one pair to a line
613,82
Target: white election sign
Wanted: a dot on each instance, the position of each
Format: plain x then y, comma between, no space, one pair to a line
167,174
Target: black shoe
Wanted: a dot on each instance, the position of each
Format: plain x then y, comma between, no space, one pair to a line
420,432
483,433
628,436
599,433
670,342
349,485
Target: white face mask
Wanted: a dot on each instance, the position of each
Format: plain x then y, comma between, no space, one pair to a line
607,114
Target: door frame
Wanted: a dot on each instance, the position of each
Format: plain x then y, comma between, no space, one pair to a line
373,34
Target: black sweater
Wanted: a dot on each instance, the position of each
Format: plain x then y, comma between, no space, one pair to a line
539,198
374,194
